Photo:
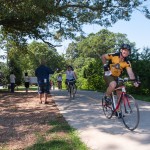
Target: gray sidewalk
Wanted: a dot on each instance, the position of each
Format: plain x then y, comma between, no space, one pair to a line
85,114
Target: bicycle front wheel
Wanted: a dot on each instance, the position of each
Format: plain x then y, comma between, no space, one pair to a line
74,90
130,112
107,109
71,91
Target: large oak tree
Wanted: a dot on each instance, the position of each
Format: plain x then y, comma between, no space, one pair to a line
51,19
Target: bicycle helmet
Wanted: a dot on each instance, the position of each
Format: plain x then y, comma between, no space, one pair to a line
126,46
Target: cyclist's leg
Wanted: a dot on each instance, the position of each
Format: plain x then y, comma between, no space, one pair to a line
58,84
71,90
111,84
118,111
67,84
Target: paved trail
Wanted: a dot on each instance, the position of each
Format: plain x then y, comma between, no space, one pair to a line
85,114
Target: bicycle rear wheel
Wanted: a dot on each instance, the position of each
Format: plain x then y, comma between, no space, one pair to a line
107,109
130,112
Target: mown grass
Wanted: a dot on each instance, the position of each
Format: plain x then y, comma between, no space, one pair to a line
62,137
142,97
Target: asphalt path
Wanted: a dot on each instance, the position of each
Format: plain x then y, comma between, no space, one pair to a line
85,114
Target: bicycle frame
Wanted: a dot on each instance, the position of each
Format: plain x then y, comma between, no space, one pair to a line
123,92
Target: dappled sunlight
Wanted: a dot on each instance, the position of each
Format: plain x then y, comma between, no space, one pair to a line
145,108
21,116
85,113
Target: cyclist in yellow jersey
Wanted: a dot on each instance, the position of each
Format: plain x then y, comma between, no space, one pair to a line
113,69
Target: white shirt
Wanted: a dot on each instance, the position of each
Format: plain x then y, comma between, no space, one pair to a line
59,78
27,79
70,75
12,78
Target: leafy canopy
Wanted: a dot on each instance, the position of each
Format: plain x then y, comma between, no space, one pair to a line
51,19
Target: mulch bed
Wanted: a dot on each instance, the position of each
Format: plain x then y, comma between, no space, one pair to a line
21,116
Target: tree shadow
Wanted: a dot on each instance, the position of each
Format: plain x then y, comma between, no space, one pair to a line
21,114
85,112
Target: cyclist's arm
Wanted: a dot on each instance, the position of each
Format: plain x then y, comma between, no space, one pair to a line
130,73
132,76
104,58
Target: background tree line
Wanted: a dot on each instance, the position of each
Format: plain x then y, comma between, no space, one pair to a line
55,20
84,54
52,21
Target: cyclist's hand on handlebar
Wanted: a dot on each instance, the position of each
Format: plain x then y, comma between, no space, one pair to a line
106,67
136,84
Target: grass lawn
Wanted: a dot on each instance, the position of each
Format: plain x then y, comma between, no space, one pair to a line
62,137
142,97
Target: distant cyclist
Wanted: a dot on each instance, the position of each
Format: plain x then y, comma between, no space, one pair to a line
70,75
117,62
59,81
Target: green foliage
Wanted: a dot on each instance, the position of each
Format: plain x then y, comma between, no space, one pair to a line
93,74
41,51
141,67
28,59
4,70
97,44
14,65
88,63
49,19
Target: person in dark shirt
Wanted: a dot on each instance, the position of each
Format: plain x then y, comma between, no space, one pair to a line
43,73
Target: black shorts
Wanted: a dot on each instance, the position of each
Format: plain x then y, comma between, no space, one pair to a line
26,84
44,88
109,79
72,80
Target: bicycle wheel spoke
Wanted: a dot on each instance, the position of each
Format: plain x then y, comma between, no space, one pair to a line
130,112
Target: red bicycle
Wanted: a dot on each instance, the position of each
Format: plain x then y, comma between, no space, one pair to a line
59,85
125,104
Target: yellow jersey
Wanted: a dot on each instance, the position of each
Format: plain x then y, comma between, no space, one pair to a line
116,65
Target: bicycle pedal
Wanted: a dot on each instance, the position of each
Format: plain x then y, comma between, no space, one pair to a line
119,115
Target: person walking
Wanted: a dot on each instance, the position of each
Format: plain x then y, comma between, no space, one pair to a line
27,82
12,82
59,81
42,73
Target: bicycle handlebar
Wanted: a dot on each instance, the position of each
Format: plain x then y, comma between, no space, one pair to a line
127,79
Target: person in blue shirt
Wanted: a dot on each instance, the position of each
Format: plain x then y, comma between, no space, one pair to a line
43,74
